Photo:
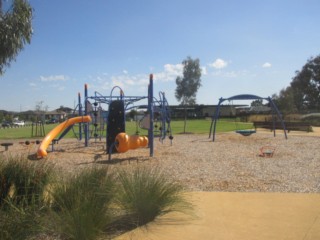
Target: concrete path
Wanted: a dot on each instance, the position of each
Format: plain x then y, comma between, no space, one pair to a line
239,216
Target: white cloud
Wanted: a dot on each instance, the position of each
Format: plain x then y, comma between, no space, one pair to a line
169,73
219,64
266,65
137,82
54,78
204,71
173,69
125,81
32,84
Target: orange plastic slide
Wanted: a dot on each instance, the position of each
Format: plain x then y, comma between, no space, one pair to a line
42,151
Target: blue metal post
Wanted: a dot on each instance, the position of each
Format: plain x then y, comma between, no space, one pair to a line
122,98
279,115
150,109
214,120
86,125
163,116
80,114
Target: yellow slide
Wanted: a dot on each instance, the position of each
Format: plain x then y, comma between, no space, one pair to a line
42,151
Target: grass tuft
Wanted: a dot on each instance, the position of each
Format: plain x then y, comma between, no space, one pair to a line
146,194
23,181
21,204
89,205
19,221
80,206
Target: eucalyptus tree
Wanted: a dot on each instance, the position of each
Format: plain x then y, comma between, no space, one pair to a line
303,94
188,84
15,31
306,86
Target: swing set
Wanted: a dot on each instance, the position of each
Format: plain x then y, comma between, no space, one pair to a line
246,132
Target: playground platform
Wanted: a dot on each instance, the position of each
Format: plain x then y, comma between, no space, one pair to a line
239,216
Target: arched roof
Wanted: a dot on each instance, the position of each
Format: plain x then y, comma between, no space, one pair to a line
244,97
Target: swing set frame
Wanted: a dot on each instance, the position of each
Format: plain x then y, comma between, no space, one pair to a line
275,112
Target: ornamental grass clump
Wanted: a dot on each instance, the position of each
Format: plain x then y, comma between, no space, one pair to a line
145,194
22,203
80,206
24,182
19,222
5,182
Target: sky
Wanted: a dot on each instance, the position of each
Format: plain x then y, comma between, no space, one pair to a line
244,47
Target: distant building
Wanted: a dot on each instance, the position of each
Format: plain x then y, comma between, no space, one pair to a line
33,116
57,115
203,111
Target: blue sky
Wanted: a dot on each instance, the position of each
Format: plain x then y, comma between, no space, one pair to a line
244,47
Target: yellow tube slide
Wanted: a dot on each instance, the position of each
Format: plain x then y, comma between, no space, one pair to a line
42,151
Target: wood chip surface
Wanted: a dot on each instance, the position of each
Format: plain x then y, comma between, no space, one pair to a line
232,163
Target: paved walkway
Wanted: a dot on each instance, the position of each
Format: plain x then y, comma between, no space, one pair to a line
239,216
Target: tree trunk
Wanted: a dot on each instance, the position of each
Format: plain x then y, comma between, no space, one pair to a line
185,119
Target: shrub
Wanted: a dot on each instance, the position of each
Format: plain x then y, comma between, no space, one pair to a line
80,205
26,179
146,194
22,185
5,183
86,205
19,222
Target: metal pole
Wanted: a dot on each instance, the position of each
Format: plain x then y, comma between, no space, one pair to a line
216,116
86,125
150,109
80,114
279,115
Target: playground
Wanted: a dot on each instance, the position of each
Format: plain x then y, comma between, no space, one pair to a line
233,163
244,184
237,192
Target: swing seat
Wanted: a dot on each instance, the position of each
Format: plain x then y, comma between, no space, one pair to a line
246,132
267,151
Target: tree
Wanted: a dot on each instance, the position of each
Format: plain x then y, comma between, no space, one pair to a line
188,84
40,110
15,31
285,101
303,94
306,86
256,103
132,114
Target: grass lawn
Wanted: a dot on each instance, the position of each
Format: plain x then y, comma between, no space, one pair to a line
199,126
